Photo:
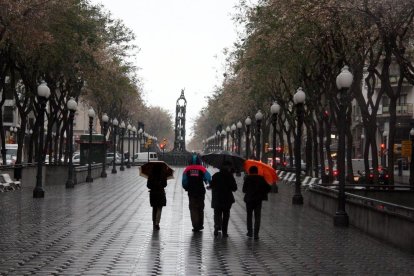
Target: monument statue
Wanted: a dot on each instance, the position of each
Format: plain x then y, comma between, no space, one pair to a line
179,156
180,109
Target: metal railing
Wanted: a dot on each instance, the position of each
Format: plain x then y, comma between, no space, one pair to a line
378,205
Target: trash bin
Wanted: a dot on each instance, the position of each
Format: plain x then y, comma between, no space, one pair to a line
18,172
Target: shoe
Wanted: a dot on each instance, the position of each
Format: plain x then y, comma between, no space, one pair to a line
225,235
216,232
256,237
249,234
156,227
196,229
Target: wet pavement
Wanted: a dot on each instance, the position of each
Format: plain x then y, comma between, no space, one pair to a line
105,228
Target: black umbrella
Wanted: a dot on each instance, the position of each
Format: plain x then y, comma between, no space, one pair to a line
146,169
218,158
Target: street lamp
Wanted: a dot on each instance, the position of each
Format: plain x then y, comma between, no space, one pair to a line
122,126
139,139
362,145
239,127
114,127
134,133
227,140
223,134
298,99
105,120
384,153
43,93
129,127
91,114
247,122
258,117
72,106
233,131
411,180
343,82
274,110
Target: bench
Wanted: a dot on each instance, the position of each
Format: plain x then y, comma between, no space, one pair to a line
6,180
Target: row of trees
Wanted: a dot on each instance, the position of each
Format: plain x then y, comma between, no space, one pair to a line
81,52
300,43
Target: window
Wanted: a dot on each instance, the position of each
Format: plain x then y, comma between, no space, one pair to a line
8,114
385,101
402,100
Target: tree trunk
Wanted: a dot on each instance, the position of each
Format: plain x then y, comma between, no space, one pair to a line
315,149
308,151
328,149
321,153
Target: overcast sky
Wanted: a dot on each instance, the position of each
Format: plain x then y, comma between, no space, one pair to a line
181,44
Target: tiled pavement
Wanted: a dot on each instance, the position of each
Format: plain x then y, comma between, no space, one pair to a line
104,228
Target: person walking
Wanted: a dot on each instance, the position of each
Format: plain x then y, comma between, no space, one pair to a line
194,177
156,183
256,189
222,187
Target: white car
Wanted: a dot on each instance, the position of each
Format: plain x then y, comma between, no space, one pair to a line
76,158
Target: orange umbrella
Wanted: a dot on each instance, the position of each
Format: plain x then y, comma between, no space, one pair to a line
265,170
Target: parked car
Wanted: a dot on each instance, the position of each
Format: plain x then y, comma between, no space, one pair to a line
368,179
76,158
10,159
110,158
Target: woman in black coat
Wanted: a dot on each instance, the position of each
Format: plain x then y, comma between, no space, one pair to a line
156,183
222,187
256,190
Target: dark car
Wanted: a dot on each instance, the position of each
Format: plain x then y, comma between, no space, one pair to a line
368,179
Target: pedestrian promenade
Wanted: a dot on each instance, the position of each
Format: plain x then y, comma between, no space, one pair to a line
105,228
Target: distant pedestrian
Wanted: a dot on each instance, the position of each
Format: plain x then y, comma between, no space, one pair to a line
256,189
222,186
194,178
157,181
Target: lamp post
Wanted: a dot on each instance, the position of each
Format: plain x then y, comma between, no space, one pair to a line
239,127
72,105
233,132
343,82
274,110
129,127
258,117
139,139
362,145
384,154
134,132
122,126
247,122
223,134
114,128
298,99
43,93
218,140
227,139
91,114
411,179
105,120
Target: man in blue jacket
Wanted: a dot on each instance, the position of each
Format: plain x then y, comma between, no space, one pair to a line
194,177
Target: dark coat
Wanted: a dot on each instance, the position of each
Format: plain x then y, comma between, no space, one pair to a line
222,186
255,188
157,193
